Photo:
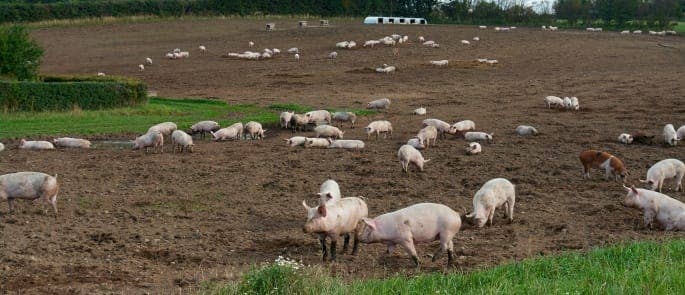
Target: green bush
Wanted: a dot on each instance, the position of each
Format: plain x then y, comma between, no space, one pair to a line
19,55
71,92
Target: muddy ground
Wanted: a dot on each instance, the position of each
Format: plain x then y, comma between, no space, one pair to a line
159,222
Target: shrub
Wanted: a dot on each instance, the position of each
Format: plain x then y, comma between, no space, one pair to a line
69,92
19,55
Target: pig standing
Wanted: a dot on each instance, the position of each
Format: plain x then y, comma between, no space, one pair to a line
554,101
299,121
440,125
603,160
181,140
314,117
328,131
670,135
346,144
254,130
473,148
416,143
72,142
420,223
331,221
30,186
285,119
341,117
427,134
165,128
379,104
379,127
36,145
153,139
462,126
494,193
665,169
295,141
409,155
317,142
234,131
476,136
204,127
669,212
681,132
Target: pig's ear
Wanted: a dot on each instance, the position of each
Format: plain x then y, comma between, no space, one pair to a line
322,210
626,188
369,222
632,188
304,203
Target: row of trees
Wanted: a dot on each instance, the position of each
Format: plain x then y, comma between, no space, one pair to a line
619,12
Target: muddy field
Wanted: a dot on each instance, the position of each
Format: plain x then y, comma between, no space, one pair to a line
162,223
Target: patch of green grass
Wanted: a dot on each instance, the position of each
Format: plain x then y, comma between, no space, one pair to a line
635,268
680,27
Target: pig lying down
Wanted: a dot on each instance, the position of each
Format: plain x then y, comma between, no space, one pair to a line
494,194
346,144
29,186
331,221
295,141
72,142
36,145
669,212
420,223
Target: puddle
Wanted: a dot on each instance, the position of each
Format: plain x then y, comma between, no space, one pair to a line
112,144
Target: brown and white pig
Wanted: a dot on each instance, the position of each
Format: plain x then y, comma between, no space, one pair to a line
72,142
420,223
36,145
254,130
494,194
153,139
669,212
409,155
204,127
603,160
234,131
665,169
328,131
181,140
379,127
473,148
428,134
331,221
29,186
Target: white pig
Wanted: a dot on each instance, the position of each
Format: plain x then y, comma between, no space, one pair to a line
554,101
409,155
30,186
328,131
524,130
419,223
440,125
462,126
341,117
72,142
681,132
427,134
254,130
668,212
379,127
295,141
318,116
346,144
473,148
494,193
181,140
416,143
36,145
165,128
420,111
203,127
317,142
379,104
153,139
2,147
331,221
285,119
329,192
663,170
670,135
477,136
234,131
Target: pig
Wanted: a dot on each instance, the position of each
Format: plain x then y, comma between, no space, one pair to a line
314,117
2,147
341,117
203,127
295,141
72,142
420,111
36,145
473,148
285,119
379,104
568,104
317,142
524,130
331,221
670,135
603,160
329,192
419,223
29,186
440,125
234,131
494,193
181,140
681,132
477,136
669,212
299,121
625,138
165,128
153,139
554,101
346,144
462,126
254,130
379,127
416,143
409,155
575,105
665,169
427,134
328,131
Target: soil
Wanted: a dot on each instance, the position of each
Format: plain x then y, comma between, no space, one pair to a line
133,222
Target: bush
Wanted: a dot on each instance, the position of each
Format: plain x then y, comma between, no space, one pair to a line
19,55
69,92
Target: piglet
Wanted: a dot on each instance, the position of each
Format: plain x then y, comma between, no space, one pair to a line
331,221
473,148
29,186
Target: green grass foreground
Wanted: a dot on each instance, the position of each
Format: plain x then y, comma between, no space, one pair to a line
680,27
184,112
634,268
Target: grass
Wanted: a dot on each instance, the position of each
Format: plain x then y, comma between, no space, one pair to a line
184,112
680,27
634,268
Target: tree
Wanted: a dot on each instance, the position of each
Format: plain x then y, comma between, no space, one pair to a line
19,55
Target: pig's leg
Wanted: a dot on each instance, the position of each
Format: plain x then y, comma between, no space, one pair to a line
334,242
510,209
10,203
324,252
346,243
53,202
491,214
648,218
408,246
679,182
391,247
661,184
355,245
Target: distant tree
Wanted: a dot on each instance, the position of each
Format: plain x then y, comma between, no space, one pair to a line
19,55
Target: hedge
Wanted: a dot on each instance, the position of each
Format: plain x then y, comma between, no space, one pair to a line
69,92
